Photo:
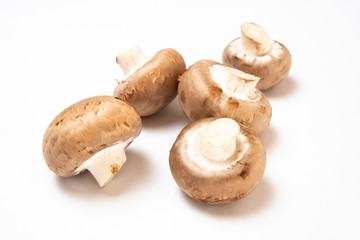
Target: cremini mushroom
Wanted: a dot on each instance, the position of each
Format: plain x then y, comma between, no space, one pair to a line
149,84
217,160
256,54
210,89
91,134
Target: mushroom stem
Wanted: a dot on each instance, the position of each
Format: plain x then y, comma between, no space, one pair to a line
131,59
235,82
218,140
255,40
242,82
106,163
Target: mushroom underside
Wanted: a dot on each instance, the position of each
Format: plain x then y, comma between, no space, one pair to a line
216,182
272,67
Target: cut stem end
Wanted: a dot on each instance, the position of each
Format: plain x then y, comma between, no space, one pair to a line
255,40
131,59
105,163
218,140
235,82
242,82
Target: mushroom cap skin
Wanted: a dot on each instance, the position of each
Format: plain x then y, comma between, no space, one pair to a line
86,128
217,182
272,67
153,85
201,97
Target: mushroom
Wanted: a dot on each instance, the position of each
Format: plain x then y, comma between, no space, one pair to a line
91,134
217,160
256,54
149,84
210,89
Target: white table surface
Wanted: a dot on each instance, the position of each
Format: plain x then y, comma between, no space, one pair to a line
53,54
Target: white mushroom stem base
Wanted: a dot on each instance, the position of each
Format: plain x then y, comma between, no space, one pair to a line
235,83
130,60
255,40
218,140
106,163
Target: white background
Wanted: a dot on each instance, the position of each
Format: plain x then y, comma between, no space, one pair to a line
55,53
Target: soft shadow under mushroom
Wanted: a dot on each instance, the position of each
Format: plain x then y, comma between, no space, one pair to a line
269,137
284,88
171,114
258,199
134,172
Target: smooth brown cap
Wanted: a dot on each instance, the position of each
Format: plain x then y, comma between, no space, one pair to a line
86,128
232,180
154,85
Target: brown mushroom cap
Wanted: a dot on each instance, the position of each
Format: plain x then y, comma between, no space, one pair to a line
217,182
201,97
272,65
85,128
154,85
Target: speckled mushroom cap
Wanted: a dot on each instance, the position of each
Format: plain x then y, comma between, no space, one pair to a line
201,97
272,65
85,128
154,85
217,182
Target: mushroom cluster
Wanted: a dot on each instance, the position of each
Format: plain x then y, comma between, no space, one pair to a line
217,158
92,134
